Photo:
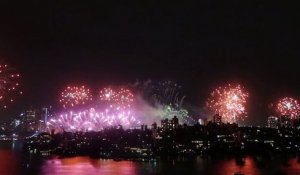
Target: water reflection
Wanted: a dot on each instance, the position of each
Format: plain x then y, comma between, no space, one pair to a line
226,166
293,167
85,165
13,162
230,166
8,162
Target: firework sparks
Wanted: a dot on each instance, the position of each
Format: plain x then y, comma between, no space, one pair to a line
121,97
107,94
93,120
75,95
229,102
288,107
113,109
182,114
9,85
160,93
124,98
165,97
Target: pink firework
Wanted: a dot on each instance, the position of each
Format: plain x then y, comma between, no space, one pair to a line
120,97
107,94
288,106
9,85
229,102
93,120
76,95
124,98
114,109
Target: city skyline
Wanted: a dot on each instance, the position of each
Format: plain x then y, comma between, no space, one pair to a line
203,110
232,98
99,45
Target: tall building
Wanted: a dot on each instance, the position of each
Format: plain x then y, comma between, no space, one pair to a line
170,124
175,122
296,123
32,120
144,127
154,126
165,123
273,122
154,130
286,122
30,116
46,114
29,120
217,119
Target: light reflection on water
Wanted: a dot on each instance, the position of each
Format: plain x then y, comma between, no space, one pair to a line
230,166
14,163
8,161
85,165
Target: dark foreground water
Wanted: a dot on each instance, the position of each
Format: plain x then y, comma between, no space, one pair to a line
13,162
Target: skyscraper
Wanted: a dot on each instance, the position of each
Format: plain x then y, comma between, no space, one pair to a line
273,122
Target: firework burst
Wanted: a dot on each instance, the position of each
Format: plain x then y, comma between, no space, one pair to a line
161,93
76,95
113,109
107,94
93,120
120,97
288,106
124,98
9,85
229,102
165,98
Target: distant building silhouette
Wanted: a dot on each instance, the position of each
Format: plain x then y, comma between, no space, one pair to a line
144,127
217,119
286,121
30,120
273,122
154,126
170,124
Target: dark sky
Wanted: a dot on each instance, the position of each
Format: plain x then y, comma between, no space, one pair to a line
199,44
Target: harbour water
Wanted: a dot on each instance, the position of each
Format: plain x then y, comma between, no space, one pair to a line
14,162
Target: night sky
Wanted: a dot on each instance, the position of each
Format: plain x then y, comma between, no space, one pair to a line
199,44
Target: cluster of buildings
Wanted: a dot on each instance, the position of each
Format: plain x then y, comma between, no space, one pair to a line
169,139
32,120
283,121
